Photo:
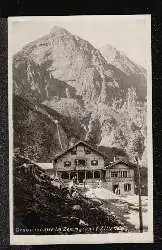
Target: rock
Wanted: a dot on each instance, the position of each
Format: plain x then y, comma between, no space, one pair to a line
75,194
98,202
83,223
76,207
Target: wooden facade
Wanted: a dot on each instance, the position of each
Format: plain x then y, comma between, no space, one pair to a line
87,164
80,161
120,177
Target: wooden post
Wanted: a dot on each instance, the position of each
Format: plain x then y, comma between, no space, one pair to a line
77,176
55,169
139,196
84,179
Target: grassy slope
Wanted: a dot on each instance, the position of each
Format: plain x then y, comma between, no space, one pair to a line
38,203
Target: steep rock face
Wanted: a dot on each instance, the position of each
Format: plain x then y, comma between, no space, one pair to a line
128,71
60,56
67,60
121,61
35,133
101,97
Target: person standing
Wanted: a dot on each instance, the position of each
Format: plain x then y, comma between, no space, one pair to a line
100,183
84,183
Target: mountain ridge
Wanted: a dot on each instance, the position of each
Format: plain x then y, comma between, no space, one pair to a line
67,74
110,53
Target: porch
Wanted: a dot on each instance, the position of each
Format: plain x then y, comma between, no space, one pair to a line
80,175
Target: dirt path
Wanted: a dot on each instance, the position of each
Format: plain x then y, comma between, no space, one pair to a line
121,208
119,213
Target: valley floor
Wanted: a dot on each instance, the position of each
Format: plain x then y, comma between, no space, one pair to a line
124,207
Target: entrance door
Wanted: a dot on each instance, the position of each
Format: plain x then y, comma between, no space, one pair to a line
115,187
73,174
81,176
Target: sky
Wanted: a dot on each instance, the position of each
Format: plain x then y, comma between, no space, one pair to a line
129,34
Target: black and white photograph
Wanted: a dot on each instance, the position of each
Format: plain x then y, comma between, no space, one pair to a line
80,125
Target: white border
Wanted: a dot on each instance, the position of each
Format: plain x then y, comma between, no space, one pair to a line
84,238
82,18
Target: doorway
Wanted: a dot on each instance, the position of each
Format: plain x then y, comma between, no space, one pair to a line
73,174
115,187
81,176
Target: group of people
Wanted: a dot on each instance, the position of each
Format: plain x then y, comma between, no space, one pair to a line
99,183
75,182
73,188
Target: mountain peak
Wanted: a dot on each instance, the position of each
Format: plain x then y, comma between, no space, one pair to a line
58,30
110,47
120,60
110,51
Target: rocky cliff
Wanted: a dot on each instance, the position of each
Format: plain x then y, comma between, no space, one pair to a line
101,94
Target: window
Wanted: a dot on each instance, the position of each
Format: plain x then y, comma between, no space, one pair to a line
80,162
114,173
65,175
87,151
121,174
127,187
97,174
89,175
124,174
67,163
94,162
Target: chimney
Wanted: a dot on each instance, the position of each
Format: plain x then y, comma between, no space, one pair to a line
114,158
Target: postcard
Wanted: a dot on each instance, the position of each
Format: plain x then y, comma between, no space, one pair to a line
80,126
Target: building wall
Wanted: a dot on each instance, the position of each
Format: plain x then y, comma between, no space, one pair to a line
80,154
120,167
108,181
121,181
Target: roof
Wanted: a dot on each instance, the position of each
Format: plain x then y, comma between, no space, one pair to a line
45,165
38,164
129,164
28,161
78,143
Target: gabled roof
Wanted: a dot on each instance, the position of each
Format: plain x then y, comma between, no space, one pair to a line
80,143
129,164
